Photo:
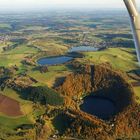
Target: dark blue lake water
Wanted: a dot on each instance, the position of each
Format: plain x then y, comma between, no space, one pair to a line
54,60
100,107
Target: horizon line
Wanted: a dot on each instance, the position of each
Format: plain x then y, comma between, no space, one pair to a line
63,8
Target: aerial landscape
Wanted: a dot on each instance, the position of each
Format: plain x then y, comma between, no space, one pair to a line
68,75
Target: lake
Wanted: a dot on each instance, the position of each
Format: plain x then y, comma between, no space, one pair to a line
63,59
103,108
54,60
83,49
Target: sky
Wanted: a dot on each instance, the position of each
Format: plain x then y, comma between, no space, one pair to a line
44,4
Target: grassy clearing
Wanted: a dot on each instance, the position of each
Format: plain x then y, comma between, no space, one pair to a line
22,49
15,56
34,28
137,93
12,123
50,46
4,25
49,77
3,44
123,59
10,60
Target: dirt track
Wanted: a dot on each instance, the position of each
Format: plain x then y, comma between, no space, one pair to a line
9,106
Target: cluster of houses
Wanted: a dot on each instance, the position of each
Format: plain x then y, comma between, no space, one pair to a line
4,38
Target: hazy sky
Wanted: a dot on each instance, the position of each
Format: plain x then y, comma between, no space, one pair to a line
38,4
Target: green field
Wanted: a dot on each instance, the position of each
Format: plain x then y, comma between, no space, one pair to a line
120,58
12,123
16,55
49,77
137,92
4,25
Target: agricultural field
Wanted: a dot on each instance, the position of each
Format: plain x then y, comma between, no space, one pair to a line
28,90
